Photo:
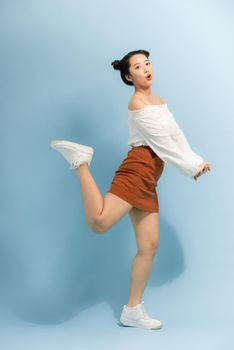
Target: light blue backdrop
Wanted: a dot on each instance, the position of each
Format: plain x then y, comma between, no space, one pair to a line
63,286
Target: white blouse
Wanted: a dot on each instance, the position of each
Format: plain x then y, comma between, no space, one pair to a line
155,126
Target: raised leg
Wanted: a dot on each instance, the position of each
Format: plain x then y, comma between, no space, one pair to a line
101,212
145,225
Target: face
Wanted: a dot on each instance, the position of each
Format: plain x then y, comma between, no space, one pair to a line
141,71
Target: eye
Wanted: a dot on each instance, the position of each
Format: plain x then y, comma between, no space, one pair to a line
148,62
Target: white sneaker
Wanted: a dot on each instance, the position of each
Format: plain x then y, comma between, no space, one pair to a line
75,153
137,317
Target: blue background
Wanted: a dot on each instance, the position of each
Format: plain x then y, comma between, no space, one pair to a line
61,285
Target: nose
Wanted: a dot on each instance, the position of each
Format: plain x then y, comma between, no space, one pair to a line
146,70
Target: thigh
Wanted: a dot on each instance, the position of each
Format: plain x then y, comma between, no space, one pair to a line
145,225
114,208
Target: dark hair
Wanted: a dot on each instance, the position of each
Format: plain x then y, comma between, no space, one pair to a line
123,65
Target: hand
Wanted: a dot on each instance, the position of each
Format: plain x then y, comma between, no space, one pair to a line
202,168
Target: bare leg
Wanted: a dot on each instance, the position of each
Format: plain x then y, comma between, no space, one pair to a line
101,212
92,197
146,230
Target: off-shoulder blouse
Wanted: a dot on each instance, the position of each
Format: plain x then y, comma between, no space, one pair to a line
154,125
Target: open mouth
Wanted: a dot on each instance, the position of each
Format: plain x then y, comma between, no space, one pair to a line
149,77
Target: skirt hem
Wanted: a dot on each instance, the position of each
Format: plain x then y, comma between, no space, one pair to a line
131,201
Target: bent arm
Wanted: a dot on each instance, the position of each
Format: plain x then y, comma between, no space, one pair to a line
172,148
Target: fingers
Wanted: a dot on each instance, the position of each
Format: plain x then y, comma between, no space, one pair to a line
203,171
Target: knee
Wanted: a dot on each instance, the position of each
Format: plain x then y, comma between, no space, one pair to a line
153,247
98,225
150,249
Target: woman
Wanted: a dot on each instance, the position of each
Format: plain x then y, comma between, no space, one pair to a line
155,138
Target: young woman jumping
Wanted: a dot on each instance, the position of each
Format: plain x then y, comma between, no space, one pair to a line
155,139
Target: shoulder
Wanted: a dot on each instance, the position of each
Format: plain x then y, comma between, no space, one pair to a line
161,99
136,103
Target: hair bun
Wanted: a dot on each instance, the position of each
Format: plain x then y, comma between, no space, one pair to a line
116,64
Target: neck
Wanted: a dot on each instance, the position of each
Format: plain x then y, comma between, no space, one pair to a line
144,91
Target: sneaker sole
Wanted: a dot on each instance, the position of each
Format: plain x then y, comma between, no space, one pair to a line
72,146
129,323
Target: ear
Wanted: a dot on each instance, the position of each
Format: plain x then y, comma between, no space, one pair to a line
128,77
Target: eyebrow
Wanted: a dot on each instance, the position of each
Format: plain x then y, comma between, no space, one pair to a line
138,63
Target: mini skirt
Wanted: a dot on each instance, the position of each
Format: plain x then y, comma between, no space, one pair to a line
135,180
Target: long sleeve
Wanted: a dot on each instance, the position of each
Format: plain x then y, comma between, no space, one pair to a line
167,140
185,147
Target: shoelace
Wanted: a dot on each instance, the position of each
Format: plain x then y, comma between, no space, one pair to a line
144,311
74,164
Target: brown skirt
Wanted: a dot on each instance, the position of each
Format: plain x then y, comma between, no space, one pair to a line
136,178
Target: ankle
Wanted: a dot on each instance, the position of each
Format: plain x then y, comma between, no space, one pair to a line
133,304
81,167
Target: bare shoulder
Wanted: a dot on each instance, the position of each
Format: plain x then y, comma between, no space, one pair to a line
161,99
136,103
